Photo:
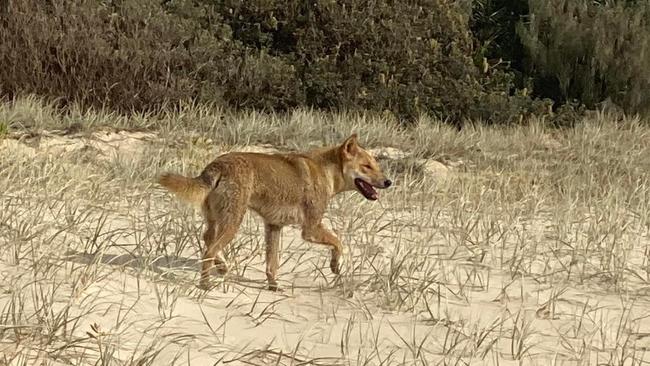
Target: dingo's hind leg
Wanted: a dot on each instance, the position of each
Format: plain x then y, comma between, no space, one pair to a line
224,211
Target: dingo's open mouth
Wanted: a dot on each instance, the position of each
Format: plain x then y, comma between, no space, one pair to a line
366,189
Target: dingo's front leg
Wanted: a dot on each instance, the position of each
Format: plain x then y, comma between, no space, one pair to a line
272,254
320,235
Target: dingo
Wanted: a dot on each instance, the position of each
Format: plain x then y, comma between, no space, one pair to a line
284,189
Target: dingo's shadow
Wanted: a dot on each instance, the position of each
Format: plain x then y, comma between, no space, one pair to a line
162,264
168,267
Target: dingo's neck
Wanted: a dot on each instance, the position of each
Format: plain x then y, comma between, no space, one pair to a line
332,166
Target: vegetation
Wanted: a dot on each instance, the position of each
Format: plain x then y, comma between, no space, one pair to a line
589,51
502,244
531,247
497,60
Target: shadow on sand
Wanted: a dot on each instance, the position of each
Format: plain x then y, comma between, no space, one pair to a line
161,265
168,267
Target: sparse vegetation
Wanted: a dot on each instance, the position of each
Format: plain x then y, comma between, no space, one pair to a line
530,248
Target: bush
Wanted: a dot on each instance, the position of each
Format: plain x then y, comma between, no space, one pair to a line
494,26
126,55
405,57
92,54
591,51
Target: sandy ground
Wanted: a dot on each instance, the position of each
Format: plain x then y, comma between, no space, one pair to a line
407,294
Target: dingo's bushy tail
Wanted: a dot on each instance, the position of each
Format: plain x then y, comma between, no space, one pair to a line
190,190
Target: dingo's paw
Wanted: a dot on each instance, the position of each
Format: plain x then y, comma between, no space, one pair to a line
335,266
221,268
220,264
205,284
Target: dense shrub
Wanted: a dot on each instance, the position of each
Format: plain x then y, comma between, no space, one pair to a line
591,51
126,55
405,57
576,52
494,26
129,55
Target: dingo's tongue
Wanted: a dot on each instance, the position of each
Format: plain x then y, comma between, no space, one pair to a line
366,189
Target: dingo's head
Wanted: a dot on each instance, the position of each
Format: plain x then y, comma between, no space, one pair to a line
360,170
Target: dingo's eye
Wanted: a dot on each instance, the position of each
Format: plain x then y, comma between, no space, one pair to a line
367,166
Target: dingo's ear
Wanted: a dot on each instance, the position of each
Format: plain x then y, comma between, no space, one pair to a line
350,146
